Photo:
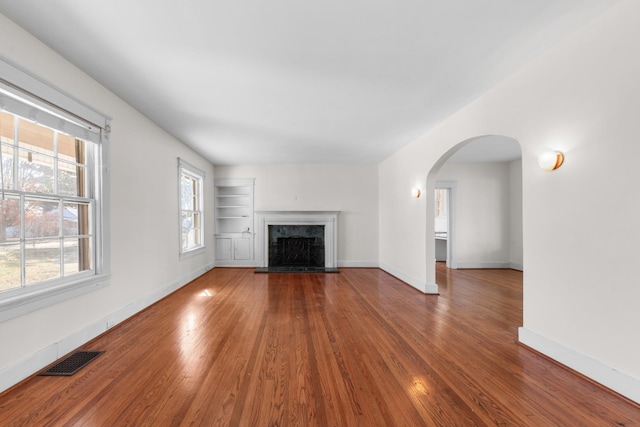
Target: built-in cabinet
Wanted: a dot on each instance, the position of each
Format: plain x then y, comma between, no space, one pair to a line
233,249
234,234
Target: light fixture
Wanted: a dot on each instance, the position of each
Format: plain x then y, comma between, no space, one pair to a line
415,192
550,160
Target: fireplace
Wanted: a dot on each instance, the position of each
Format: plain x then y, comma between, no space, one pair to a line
296,246
296,240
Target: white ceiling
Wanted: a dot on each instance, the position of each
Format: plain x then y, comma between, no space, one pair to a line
290,81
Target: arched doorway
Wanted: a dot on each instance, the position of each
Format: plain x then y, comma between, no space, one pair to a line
483,179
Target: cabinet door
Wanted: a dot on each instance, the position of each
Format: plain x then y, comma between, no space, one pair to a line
223,248
242,248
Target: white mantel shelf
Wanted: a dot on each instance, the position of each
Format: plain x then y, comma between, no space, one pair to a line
327,218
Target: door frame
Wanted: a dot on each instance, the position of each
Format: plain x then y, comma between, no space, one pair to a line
452,262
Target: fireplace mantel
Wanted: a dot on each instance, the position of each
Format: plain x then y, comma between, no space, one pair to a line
327,218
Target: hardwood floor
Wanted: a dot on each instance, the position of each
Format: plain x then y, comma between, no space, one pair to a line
358,348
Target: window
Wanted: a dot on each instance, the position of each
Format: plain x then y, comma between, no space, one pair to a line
52,217
191,220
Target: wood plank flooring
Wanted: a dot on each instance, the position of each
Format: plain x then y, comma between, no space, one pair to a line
358,348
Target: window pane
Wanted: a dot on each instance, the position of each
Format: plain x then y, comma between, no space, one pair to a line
75,218
9,265
191,239
35,137
71,149
76,255
196,237
187,221
83,219
41,218
7,167
185,240
70,219
196,220
71,179
6,127
9,219
190,230
35,172
42,260
187,193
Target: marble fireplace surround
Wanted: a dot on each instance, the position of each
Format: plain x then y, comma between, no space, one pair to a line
327,218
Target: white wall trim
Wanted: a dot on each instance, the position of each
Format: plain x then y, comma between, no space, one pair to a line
591,368
463,265
237,263
516,266
358,264
426,288
345,264
22,369
431,289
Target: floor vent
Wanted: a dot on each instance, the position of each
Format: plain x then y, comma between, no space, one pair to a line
72,364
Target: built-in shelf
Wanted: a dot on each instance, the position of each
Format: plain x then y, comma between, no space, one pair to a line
234,234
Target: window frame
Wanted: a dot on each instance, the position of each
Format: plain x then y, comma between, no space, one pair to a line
185,168
57,109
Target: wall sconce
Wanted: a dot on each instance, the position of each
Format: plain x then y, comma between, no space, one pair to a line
415,192
550,160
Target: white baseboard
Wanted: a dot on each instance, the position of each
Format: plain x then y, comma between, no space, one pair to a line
346,264
358,264
591,368
239,264
22,369
462,265
431,289
427,288
514,266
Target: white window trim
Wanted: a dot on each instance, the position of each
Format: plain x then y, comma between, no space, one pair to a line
192,170
17,302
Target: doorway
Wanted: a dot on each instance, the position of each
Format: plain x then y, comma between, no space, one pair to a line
483,176
444,222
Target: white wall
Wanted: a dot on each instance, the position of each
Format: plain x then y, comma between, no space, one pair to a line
352,190
482,213
144,221
582,97
515,215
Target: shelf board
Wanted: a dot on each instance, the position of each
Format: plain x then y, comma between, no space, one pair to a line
233,217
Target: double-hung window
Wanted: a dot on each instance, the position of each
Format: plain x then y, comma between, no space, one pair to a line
191,181
52,237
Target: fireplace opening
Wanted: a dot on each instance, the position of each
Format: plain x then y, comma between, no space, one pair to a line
297,241
296,246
